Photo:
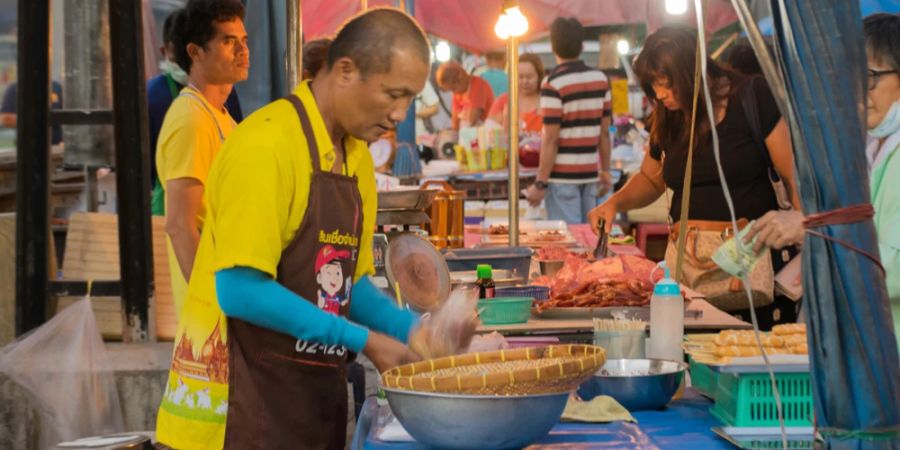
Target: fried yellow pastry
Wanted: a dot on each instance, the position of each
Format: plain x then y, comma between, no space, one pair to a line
747,338
745,350
789,328
791,340
800,349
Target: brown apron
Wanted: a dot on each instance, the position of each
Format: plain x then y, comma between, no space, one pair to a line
285,393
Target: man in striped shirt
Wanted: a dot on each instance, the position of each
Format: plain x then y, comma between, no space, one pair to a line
575,104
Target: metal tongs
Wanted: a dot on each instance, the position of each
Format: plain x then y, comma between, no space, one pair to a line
602,249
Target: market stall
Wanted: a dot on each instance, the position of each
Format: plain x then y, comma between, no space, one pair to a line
753,389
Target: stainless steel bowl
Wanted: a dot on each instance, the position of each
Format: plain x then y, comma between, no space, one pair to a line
549,268
476,421
638,384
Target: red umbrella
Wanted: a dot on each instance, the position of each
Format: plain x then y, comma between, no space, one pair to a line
470,23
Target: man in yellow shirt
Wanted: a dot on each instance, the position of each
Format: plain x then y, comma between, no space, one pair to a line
211,46
286,253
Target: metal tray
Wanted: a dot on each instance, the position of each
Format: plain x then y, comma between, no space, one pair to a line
609,312
402,200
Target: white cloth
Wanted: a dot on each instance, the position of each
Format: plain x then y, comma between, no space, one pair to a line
429,97
876,154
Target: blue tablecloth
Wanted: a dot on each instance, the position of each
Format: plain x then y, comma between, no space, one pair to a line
684,424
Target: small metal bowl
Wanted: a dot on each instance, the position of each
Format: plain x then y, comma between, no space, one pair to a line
549,268
475,421
637,384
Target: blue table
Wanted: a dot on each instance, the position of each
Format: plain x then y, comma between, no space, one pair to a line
685,424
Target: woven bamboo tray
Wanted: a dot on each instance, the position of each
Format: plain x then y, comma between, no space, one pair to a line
522,371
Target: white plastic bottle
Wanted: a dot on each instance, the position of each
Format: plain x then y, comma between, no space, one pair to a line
666,320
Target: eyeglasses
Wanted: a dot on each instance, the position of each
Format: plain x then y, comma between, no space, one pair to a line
875,75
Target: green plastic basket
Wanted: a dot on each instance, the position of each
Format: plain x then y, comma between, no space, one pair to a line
504,310
746,400
703,378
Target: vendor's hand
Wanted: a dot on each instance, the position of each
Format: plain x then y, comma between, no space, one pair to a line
604,184
428,343
386,352
776,229
607,211
534,195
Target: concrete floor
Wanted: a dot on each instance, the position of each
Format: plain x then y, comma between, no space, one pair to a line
140,374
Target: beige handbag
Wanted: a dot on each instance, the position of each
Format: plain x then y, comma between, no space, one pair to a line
700,273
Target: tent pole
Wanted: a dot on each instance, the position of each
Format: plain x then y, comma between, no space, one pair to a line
512,58
294,54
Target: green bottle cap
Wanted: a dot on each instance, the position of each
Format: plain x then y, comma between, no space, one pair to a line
484,271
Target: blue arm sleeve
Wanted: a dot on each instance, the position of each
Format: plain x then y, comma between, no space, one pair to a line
376,310
250,295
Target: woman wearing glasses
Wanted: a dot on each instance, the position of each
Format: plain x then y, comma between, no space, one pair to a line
882,151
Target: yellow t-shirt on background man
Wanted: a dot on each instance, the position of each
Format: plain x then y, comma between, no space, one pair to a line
191,135
256,196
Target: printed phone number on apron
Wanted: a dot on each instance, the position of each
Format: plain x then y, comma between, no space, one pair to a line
314,348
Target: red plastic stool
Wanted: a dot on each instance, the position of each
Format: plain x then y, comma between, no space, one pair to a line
645,230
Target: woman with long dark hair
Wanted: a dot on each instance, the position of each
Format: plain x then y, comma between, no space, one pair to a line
752,136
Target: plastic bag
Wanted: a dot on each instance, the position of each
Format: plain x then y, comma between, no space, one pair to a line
448,330
63,367
487,343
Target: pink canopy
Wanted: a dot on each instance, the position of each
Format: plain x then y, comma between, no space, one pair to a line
470,23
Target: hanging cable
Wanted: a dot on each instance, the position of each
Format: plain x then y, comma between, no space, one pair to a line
701,41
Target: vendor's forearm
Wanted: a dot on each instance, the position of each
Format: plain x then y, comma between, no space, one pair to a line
376,310
549,149
427,111
252,296
605,146
476,116
638,192
185,240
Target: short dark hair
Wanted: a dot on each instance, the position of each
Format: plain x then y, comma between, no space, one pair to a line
741,57
566,37
168,30
496,55
370,38
315,53
882,32
196,25
449,72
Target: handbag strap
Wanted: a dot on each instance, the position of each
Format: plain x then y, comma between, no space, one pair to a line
688,174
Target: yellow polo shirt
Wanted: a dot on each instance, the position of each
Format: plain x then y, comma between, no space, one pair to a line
256,197
191,135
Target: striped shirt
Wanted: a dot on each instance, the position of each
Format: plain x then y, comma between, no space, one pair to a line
577,98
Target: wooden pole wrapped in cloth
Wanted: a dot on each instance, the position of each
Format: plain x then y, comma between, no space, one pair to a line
522,371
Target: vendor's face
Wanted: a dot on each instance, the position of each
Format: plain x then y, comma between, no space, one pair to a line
331,278
368,106
885,91
665,95
226,57
528,79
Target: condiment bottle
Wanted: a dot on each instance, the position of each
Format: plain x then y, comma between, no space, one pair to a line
485,281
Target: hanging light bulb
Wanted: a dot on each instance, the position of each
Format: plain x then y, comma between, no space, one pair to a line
623,47
518,23
676,7
501,29
442,51
511,23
